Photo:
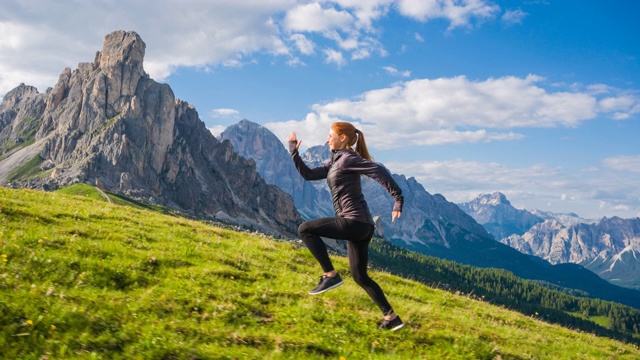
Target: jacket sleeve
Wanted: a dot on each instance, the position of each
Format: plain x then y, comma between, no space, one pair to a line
307,173
380,174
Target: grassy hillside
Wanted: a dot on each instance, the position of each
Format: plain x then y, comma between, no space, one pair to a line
84,278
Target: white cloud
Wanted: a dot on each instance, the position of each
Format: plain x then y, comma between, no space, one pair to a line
313,17
459,13
623,106
623,163
223,112
512,17
418,37
456,110
333,56
306,46
393,71
366,11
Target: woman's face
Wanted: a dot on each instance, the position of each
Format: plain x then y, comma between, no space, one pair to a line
336,141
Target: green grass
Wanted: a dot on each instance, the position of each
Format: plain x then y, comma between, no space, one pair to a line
600,320
91,192
83,278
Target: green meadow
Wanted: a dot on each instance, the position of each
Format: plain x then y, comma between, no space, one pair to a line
84,278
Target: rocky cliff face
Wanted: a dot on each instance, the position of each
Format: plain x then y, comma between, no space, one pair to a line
274,164
108,123
610,248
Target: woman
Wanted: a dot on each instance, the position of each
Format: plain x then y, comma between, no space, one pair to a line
353,220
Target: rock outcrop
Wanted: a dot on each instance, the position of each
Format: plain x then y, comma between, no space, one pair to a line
108,122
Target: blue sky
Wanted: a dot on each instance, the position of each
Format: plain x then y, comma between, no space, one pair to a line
537,99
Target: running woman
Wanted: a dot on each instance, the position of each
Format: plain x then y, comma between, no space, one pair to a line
353,221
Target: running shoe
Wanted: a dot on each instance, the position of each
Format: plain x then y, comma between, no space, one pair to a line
326,283
391,325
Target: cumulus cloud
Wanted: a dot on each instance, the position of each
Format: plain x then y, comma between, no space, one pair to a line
313,17
347,24
456,110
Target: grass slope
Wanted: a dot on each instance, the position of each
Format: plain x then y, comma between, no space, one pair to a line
83,278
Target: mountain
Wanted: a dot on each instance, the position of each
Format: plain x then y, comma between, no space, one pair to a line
429,224
501,219
274,165
108,123
609,248
498,216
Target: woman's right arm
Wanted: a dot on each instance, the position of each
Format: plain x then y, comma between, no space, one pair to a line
307,173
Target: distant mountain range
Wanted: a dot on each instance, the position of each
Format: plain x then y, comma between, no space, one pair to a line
609,247
429,224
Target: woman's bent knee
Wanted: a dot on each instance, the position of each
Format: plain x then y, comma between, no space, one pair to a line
303,228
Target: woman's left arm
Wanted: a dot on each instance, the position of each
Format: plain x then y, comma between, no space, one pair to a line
382,176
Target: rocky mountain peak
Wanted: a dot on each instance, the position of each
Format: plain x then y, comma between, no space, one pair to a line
107,122
121,62
498,216
122,47
494,199
13,97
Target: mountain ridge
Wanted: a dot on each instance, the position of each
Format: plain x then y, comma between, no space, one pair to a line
609,247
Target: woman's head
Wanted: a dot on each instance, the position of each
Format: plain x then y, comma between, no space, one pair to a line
344,135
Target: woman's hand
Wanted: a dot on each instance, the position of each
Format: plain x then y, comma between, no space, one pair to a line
293,140
395,214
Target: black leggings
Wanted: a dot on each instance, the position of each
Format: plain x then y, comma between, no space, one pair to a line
358,236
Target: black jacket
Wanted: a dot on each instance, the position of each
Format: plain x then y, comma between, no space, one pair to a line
343,177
